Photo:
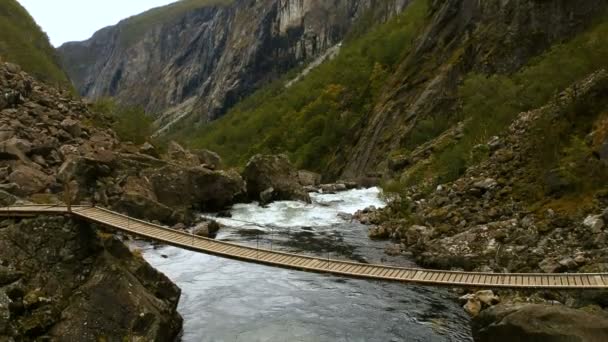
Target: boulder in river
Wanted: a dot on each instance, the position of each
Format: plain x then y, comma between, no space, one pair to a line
273,171
547,323
208,229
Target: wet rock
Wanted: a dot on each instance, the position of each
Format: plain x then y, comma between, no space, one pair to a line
267,196
476,302
208,229
273,171
308,178
393,250
473,307
506,323
333,188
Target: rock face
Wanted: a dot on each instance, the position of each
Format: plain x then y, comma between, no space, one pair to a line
59,280
539,323
273,178
206,58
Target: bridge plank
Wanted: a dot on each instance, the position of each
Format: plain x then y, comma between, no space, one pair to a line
107,218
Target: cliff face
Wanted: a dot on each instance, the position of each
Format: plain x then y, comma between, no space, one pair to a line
207,58
462,37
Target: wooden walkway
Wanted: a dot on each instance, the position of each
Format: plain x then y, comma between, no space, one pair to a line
144,229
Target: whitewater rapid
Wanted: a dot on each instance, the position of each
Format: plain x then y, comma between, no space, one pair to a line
226,300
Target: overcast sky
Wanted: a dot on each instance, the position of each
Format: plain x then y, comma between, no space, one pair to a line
70,20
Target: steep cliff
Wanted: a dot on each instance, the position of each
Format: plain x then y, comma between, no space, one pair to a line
398,85
202,57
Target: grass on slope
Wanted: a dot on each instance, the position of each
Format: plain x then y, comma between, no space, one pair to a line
23,42
491,103
314,116
134,27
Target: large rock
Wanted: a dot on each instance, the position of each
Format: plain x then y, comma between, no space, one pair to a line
207,229
196,187
139,201
180,155
308,178
30,180
208,158
273,171
507,323
77,285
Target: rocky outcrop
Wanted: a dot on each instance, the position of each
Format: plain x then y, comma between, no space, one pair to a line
195,187
203,60
273,178
60,280
50,147
482,220
550,323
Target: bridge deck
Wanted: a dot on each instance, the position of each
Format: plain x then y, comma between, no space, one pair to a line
319,265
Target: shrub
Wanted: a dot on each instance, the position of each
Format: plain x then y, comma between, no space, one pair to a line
129,122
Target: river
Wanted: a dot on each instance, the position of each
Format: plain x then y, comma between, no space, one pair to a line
226,300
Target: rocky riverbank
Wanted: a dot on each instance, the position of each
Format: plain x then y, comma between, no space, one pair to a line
509,213
64,280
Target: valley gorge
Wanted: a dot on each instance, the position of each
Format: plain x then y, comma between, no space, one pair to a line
202,62
456,135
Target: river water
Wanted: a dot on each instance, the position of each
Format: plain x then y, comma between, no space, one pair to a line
226,300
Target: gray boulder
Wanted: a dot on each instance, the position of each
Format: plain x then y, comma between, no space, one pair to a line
29,180
507,323
195,187
308,178
208,229
274,171
208,158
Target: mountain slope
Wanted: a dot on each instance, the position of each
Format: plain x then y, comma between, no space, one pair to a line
406,82
24,43
202,57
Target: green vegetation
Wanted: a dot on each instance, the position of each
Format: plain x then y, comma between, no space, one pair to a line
130,123
321,112
491,103
23,42
134,27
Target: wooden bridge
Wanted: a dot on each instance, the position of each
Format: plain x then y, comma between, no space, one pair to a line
151,231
